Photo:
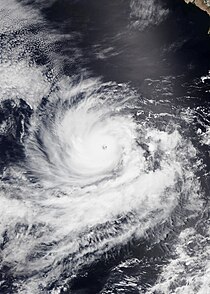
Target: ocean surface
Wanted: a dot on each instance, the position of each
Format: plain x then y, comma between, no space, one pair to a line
104,147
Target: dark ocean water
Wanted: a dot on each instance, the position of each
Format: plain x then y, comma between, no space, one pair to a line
104,147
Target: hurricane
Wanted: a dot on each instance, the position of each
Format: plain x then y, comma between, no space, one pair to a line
89,167
104,182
